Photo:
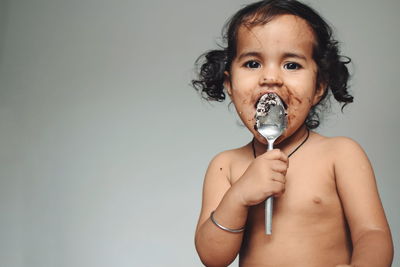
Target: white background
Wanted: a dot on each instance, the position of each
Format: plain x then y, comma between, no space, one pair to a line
103,144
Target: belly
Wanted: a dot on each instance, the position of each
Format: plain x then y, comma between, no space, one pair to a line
306,231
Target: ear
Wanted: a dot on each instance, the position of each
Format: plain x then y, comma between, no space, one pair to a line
319,93
227,82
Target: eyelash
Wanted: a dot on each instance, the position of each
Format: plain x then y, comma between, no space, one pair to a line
247,64
296,65
286,66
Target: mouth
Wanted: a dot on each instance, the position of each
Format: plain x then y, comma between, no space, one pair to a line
283,101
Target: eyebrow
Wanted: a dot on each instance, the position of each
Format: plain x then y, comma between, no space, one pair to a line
249,54
258,54
300,56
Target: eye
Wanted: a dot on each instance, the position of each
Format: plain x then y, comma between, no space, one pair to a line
292,66
252,64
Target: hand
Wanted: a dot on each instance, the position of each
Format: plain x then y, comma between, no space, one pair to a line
263,178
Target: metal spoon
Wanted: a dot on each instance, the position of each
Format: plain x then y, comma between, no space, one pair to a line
271,122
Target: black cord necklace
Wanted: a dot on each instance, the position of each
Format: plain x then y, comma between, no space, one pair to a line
291,153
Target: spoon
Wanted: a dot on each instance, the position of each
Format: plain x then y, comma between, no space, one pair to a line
271,122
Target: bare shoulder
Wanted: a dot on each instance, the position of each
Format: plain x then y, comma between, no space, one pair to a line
333,141
228,157
348,159
338,146
342,142
225,163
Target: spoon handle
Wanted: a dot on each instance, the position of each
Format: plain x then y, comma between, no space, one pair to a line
269,203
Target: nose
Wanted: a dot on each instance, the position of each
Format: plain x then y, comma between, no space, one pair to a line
271,77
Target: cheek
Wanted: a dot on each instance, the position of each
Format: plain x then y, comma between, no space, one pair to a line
299,106
297,115
242,100
245,109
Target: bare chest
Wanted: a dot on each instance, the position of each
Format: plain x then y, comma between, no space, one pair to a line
310,193
308,219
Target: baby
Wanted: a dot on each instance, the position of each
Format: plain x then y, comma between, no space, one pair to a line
327,210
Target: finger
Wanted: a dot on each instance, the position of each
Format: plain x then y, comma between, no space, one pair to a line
278,177
279,166
283,157
277,189
280,193
276,154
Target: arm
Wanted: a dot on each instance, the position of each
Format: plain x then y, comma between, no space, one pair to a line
215,246
370,233
264,177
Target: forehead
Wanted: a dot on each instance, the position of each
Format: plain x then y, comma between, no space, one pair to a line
286,32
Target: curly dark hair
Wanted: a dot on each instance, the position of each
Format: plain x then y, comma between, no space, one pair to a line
332,69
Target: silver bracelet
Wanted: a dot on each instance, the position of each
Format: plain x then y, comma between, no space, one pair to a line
223,227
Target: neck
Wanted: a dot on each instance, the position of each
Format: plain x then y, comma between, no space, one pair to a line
287,145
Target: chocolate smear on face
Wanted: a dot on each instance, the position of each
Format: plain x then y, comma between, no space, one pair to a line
292,97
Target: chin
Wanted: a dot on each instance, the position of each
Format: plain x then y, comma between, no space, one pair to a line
280,139
286,134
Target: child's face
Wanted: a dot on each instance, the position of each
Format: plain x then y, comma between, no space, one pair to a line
275,57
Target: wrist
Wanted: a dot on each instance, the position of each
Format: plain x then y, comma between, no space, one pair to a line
227,229
230,213
234,196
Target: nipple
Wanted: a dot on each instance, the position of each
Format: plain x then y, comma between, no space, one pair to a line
317,200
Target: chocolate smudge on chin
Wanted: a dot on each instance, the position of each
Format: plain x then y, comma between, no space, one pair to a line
292,97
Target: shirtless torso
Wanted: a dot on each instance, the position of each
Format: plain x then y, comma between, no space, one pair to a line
309,226
327,210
